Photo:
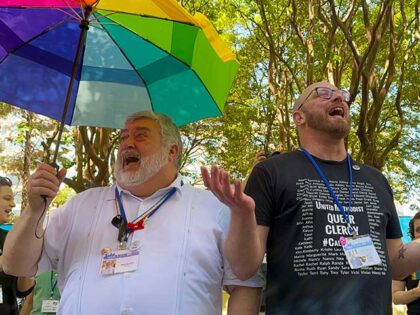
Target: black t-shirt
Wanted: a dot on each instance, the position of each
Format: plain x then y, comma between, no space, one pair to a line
8,286
412,282
307,270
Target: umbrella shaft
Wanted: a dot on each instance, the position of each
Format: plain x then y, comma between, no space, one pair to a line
84,26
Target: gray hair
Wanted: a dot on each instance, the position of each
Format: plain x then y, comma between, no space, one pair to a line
168,130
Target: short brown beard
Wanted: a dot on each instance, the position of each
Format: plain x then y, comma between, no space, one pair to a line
337,131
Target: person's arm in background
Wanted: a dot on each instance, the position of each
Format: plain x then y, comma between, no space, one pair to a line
401,296
22,248
243,300
24,284
27,305
24,289
404,258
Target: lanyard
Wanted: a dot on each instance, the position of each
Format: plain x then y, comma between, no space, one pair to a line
53,283
331,191
139,221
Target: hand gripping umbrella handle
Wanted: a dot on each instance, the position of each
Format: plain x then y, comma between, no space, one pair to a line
55,165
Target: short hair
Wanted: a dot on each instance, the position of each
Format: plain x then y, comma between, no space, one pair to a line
168,130
309,90
411,225
5,181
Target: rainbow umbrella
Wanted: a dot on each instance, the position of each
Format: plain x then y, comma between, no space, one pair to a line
91,63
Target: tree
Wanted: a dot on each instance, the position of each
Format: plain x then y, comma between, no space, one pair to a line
27,141
94,150
371,48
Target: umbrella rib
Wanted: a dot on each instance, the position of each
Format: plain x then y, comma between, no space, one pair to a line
74,11
95,23
95,19
76,16
113,12
46,8
27,42
147,16
131,64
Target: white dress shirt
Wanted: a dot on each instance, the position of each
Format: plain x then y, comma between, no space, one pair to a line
181,265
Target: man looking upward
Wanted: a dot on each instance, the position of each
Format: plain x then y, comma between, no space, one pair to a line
150,244
328,223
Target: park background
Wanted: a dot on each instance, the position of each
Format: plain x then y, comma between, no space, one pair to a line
370,48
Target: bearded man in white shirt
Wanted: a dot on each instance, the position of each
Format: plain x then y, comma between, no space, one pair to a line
150,244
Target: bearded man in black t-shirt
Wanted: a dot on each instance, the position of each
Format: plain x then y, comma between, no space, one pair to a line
304,207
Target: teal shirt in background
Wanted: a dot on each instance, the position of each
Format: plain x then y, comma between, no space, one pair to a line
42,291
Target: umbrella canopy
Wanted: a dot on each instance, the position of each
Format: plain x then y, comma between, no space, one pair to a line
92,63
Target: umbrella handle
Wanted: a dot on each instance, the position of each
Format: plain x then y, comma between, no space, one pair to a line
55,165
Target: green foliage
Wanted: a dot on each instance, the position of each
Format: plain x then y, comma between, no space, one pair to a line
284,45
63,196
12,218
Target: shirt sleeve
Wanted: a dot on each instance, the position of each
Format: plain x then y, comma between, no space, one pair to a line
229,278
259,187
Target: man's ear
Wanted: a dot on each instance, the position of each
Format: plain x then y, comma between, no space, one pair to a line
173,152
299,118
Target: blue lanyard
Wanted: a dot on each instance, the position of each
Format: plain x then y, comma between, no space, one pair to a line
152,209
331,191
52,283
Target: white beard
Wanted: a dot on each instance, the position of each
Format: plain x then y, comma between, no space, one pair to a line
149,166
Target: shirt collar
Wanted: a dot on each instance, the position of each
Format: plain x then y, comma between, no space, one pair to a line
177,183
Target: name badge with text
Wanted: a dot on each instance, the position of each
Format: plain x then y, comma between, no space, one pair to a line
119,261
360,251
49,306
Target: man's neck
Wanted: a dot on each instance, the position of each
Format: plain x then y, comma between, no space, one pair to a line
160,180
325,149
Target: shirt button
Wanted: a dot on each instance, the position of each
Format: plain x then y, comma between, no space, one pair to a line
135,245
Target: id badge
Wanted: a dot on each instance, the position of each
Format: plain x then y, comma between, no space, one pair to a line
49,306
1,295
360,251
119,261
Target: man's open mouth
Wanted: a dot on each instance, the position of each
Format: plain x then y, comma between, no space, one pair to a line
131,159
336,111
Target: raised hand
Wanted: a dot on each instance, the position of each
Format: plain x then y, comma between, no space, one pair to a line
218,182
44,182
